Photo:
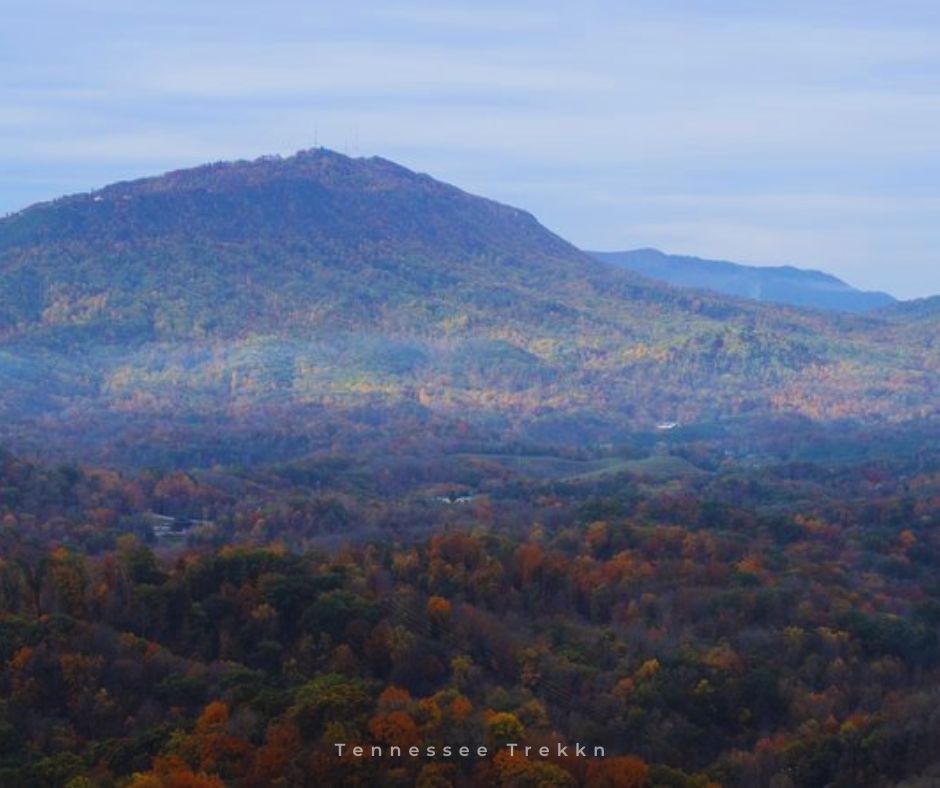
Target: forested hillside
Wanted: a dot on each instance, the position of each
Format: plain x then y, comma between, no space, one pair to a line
258,310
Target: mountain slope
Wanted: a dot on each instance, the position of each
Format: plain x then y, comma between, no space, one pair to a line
251,309
780,284
314,241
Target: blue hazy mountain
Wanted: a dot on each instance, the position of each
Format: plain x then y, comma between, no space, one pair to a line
780,284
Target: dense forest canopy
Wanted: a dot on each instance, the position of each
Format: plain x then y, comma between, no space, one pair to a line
737,626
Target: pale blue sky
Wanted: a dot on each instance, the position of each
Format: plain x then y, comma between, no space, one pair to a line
798,132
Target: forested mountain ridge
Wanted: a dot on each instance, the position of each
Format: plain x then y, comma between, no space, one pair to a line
196,252
337,297
776,284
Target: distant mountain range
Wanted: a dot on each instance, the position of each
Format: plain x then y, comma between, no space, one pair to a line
776,284
262,308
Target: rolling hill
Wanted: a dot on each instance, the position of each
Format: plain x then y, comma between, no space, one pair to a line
776,284
240,311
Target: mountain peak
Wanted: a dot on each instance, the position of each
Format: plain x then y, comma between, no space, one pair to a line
305,242
328,168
